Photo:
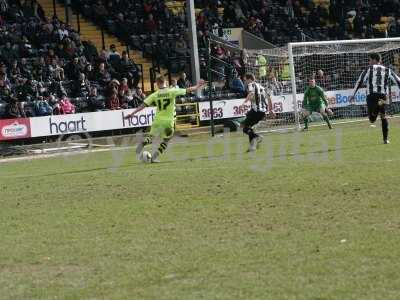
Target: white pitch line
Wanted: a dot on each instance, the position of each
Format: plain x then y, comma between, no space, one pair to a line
321,125
91,145
45,156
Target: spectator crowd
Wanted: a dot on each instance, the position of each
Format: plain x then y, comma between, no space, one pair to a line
277,21
46,69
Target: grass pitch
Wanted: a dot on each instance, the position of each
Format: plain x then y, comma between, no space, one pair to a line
309,216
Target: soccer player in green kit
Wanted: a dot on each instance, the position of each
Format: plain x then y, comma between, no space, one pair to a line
164,122
315,100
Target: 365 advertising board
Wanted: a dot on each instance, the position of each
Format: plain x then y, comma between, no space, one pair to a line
283,103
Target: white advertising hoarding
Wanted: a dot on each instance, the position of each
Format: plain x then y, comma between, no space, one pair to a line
88,122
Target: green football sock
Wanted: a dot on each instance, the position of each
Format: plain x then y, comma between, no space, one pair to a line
326,118
161,149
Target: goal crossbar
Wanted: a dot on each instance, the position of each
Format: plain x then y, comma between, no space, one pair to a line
344,42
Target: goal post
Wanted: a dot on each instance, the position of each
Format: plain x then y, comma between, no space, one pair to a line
336,66
293,83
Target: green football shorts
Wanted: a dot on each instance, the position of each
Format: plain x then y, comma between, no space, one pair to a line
163,128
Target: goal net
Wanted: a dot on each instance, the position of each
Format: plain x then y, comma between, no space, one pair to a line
335,65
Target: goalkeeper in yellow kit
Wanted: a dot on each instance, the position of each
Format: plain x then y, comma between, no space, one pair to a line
164,122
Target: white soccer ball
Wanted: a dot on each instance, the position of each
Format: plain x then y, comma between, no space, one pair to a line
146,156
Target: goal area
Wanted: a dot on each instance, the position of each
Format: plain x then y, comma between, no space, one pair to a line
335,65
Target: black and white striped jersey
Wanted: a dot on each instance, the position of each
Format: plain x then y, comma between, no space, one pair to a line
258,102
377,79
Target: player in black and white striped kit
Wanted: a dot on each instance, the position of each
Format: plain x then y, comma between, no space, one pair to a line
377,77
258,97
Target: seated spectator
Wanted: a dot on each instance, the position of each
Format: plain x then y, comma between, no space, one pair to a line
103,57
151,25
113,56
60,51
112,87
15,73
123,98
174,83
95,102
219,52
72,69
100,12
237,63
3,68
52,100
5,92
70,48
56,87
62,32
51,56
14,109
237,85
129,98
25,68
81,86
25,47
120,26
42,107
55,72
41,69
137,97
112,102
66,107
127,68
124,85
219,65
8,53
90,73
183,82
102,75
181,47
5,84
90,51
26,88
82,63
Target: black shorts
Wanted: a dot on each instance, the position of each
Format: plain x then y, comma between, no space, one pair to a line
376,104
253,117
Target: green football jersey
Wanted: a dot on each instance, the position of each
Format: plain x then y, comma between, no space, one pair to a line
165,99
314,95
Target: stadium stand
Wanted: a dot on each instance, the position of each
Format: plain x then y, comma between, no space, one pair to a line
158,27
47,69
